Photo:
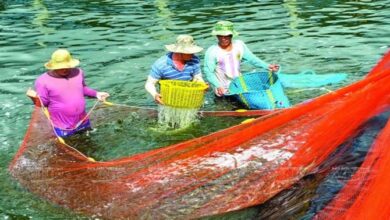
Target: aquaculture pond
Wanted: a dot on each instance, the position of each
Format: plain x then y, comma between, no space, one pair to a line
118,40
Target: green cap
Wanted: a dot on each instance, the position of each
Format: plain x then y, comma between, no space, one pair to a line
224,28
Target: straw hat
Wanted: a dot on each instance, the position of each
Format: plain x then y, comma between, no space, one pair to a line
224,28
184,44
61,59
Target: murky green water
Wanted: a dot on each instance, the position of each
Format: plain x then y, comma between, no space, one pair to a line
118,40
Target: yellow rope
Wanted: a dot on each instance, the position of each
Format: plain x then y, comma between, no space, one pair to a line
108,103
243,84
244,100
271,78
47,114
247,120
60,139
271,97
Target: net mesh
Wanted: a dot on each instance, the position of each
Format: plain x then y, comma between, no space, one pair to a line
366,195
231,169
259,90
310,79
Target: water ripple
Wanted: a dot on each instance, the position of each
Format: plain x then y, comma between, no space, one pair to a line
118,40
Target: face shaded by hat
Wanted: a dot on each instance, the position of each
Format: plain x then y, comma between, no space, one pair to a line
184,44
61,59
224,28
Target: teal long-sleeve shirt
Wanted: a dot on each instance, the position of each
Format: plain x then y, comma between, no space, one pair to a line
217,63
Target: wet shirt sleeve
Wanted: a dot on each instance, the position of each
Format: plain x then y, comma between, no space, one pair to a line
87,90
210,64
196,65
155,71
42,91
249,57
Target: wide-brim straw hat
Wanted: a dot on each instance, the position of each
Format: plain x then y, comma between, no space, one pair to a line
61,59
224,28
184,44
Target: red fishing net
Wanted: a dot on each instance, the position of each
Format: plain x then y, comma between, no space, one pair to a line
367,193
231,169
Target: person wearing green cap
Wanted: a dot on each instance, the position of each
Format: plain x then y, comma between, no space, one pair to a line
223,60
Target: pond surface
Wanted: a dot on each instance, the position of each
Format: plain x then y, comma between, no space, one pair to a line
118,40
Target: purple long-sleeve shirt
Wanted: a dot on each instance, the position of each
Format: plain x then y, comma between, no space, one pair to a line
64,97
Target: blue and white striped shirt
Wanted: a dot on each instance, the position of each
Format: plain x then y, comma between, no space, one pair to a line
164,68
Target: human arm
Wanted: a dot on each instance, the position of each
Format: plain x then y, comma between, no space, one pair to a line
210,64
249,57
154,76
86,90
101,96
150,87
34,97
197,76
41,93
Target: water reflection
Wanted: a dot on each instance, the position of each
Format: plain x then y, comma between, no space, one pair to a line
291,6
2,6
166,23
41,18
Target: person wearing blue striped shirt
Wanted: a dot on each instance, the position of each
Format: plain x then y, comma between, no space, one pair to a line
180,63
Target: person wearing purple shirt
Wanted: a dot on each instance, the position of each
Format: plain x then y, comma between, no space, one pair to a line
62,90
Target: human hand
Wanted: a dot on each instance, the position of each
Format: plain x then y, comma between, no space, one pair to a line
158,99
208,87
101,96
273,67
31,93
34,97
220,91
